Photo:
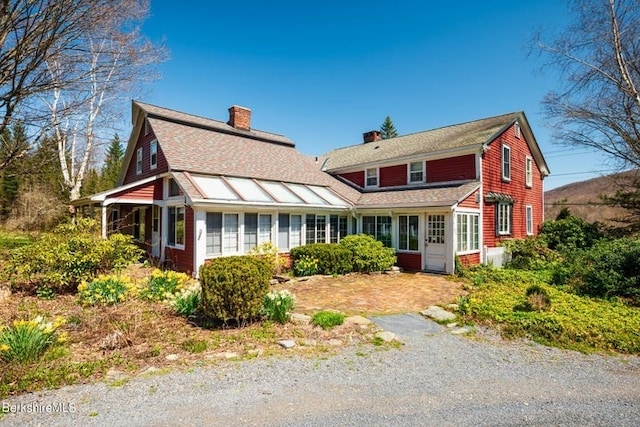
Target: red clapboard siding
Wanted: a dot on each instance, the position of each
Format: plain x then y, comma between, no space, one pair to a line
182,259
143,141
355,177
141,192
411,262
469,259
516,188
391,176
452,169
157,189
470,202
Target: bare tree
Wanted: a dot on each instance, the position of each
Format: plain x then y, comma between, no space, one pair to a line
113,59
598,57
32,31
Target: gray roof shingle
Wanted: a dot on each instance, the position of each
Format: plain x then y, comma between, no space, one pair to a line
419,197
198,145
461,135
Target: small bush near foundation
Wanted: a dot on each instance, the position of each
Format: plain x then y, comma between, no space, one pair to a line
270,253
368,254
327,319
331,258
233,288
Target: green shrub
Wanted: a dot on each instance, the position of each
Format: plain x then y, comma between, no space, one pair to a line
610,269
27,340
270,253
278,305
104,290
305,266
233,288
569,233
162,285
327,319
530,253
537,298
332,258
368,254
69,255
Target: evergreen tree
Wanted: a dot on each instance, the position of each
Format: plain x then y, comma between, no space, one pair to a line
387,129
11,175
112,164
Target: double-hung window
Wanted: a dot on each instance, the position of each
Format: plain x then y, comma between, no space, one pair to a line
503,218
506,163
528,171
214,233
289,231
153,154
316,229
416,172
529,219
176,226
371,177
467,232
408,233
378,227
230,233
139,161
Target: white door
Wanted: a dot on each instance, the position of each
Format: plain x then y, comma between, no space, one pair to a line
435,247
155,231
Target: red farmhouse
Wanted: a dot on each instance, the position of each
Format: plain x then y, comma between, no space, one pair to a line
193,188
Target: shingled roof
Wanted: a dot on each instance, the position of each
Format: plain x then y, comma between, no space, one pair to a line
203,146
461,135
436,196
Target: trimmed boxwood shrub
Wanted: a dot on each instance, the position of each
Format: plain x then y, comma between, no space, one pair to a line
233,288
368,254
332,258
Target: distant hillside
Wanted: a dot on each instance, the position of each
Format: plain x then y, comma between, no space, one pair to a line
583,198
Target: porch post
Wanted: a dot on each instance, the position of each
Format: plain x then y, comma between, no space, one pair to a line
104,220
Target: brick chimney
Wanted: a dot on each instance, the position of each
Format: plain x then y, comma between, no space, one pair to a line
371,136
239,117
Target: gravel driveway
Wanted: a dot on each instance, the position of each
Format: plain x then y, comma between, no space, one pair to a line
434,379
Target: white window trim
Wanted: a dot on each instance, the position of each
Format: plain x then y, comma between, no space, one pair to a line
506,177
423,170
469,215
397,220
152,144
139,156
366,178
529,219
528,171
509,208
176,245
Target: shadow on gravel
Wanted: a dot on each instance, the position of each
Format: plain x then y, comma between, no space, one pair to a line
409,325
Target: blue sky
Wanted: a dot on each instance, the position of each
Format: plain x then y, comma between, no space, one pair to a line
322,73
